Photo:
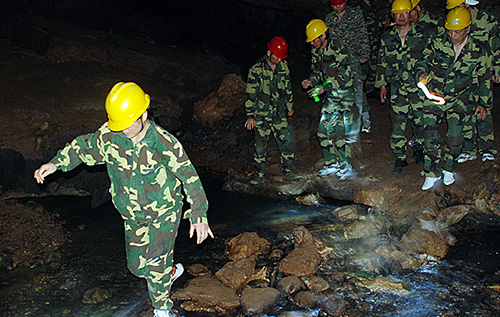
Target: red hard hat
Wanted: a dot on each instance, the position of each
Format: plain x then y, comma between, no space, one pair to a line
337,2
278,46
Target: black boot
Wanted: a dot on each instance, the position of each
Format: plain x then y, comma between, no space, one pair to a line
399,165
418,155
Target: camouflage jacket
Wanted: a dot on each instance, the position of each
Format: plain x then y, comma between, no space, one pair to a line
146,178
333,66
350,31
433,23
269,92
373,23
485,28
456,79
396,60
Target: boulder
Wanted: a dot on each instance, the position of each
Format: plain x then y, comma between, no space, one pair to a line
235,273
246,245
256,301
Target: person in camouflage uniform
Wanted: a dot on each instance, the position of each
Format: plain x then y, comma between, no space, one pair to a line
485,28
457,65
347,25
375,27
433,23
400,48
269,102
332,71
148,168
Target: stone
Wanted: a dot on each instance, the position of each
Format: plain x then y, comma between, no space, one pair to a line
346,213
304,260
246,245
208,292
315,283
198,269
95,296
291,284
235,273
306,299
259,300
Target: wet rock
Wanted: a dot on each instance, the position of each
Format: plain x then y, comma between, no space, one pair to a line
198,269
293,314
452,215
333,306
346,213
95,295
246,245
223,103
306,299
290,285
315,283
429,238
259,300
301,235
234,274
487,189
276,255
208,293
384,284
198,307
304,260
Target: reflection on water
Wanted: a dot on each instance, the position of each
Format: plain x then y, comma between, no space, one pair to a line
95,257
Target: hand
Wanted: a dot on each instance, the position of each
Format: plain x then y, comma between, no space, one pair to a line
320,91
44,171
481,111
306,83
383,94
363,60
496,79
250,124
202,232
422,76
290,112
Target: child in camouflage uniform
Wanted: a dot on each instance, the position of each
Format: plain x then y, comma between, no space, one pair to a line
331,69
148,168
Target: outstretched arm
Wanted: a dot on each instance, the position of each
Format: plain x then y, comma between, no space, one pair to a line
202,232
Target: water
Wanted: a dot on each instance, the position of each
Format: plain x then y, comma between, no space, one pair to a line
461,285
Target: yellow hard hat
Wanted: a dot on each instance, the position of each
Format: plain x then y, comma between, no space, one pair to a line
315,28
125,103
457,19
450,4
401,6
414,3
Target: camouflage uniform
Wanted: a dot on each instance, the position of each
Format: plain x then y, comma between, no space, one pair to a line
269,98
455,80
333,66
433,23
395,67
352,33
485,28
375,27
146,181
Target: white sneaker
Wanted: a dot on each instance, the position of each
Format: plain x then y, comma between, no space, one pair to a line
329,169
464,157
448,178
488,157
178,270
367,129
345,172
164,313
430,182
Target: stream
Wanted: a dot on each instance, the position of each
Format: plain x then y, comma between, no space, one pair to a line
465,283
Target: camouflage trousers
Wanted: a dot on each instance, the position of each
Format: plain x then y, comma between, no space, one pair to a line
480,132
434,115
360,95
405,105
279,128
150,255
333,130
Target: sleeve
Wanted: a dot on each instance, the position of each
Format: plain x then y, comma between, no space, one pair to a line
363,41
495,46
481,80
182,168
381,66
315,77
251,91
288,88
86,149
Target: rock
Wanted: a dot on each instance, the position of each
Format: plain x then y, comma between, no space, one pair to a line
235,274
259,300
384,284
246,245
276,255
290,285
227,100
208,292
306,299
486,190
428,238
199,307
301,235
198,269
333,306
315,283
452,215
95,295
304,260
346,213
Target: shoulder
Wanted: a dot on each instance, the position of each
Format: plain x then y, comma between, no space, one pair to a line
165,137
